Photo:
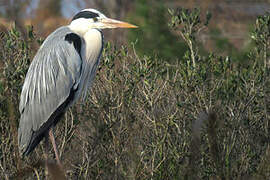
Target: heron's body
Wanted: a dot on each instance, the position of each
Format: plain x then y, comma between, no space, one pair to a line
45,96
61,71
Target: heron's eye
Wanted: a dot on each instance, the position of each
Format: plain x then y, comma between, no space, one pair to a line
95,19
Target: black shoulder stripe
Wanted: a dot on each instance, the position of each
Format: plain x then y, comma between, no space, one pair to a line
76,40
85,14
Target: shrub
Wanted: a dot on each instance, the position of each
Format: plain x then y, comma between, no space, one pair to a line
202,117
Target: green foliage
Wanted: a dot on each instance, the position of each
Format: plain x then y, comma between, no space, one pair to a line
222,43
153,37
149,119
191,25
224,47
261,36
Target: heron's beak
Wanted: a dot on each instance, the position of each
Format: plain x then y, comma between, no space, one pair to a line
112,23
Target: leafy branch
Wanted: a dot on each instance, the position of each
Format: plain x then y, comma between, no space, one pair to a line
191,24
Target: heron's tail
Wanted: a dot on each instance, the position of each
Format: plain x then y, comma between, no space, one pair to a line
27,138
24,135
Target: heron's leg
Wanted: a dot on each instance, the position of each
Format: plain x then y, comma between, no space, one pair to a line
54,145
46,154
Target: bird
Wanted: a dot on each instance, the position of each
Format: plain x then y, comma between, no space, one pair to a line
61,72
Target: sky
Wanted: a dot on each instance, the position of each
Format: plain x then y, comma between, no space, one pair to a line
69,7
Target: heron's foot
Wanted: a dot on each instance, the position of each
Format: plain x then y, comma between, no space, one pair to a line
58,161
56,171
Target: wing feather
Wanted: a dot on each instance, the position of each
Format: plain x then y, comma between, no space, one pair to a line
53,74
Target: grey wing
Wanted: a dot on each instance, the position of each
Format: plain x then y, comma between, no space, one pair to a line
53,74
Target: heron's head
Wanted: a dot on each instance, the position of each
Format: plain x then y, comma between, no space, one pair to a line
91,18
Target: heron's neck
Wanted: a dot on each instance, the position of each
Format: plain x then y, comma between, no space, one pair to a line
80,27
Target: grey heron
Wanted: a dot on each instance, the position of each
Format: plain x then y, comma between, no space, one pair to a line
60,73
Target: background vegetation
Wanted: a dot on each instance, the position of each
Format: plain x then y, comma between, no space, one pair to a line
201,116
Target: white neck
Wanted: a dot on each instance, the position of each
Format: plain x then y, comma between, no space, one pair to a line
80,26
